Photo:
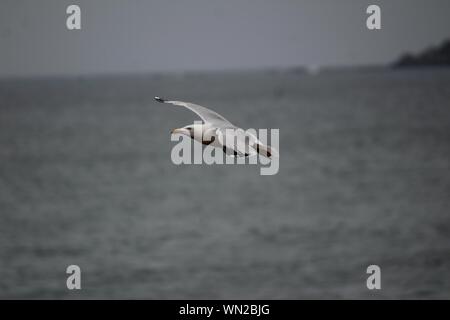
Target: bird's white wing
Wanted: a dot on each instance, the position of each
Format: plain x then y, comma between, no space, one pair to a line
204,113
236,142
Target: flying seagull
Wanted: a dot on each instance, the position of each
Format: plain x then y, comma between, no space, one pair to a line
220,133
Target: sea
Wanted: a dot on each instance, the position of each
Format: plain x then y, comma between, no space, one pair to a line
86,179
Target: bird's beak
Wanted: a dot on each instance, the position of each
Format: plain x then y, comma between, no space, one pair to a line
177,130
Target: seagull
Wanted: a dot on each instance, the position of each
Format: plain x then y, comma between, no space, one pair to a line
220,133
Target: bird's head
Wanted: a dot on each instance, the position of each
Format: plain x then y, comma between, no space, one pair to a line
186,130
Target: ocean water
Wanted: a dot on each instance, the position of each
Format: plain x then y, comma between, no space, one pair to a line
86,178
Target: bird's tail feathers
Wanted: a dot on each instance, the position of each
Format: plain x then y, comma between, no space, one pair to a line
266,151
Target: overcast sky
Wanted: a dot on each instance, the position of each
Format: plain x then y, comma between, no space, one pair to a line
167,35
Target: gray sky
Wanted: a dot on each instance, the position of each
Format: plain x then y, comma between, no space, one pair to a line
167,35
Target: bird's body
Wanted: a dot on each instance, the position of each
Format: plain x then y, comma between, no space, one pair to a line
220,133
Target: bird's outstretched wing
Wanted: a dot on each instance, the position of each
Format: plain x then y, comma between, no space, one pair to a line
208,116
241,143
236,142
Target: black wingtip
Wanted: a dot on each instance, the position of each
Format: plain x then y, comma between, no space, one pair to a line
160,99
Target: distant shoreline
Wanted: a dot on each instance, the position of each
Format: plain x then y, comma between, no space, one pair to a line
437,56
301,70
